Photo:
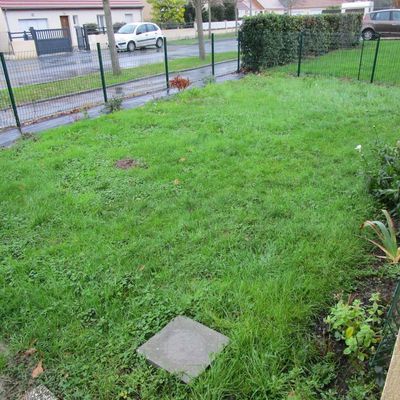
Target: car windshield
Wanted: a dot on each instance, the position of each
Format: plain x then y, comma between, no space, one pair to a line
127,29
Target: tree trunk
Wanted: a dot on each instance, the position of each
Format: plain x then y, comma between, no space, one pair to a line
236,17
200,33
209,19
111,39
251,8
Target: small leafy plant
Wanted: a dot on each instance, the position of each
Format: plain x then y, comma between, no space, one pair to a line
113,105
358,326
387,238
382,171
209,80
179,83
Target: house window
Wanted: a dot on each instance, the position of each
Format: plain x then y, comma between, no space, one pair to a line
101,21
75,20
128,18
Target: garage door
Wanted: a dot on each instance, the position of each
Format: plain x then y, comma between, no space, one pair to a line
35,23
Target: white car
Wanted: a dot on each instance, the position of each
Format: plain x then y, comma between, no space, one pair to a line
133,36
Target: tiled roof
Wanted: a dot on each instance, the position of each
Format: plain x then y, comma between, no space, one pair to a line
245,5
63,4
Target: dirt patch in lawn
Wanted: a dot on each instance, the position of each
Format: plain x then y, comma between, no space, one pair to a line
127,163
14,385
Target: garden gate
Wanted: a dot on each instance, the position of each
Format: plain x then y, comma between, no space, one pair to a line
50,41
82,38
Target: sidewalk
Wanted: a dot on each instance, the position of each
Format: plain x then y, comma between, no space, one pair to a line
9,136
43,109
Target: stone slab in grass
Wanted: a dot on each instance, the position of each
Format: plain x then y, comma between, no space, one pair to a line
39,393
183,347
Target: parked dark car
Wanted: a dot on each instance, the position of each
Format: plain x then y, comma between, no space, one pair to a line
382,22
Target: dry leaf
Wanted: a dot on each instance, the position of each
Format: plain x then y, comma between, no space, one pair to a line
38,370
30,352
182,159
177,182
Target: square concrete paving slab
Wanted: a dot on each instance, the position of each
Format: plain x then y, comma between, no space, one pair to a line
39,393
184,347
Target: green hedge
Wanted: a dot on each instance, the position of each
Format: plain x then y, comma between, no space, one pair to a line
268,40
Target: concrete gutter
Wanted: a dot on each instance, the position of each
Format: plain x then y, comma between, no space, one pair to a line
391,391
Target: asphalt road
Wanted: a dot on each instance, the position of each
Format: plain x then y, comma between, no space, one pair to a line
50,68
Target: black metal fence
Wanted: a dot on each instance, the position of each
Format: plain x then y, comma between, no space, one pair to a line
383,355
374,61
34,88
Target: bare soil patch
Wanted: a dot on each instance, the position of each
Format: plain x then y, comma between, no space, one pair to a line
127,163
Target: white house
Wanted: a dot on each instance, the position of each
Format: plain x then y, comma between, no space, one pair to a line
302,7
20,15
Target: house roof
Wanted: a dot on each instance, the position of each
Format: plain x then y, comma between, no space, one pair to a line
63,4
245,5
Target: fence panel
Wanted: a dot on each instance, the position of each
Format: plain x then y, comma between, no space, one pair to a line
226,53
54,84
184,60
6,112
142,71
333,54
388,62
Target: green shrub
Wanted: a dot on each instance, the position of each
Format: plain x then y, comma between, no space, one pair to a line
117,26
113,105
382,171
358,326
91,28
386,236
269,40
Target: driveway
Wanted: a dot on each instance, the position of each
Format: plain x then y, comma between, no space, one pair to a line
66,65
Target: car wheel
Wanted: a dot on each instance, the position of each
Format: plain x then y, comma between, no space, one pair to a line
368,34
131,46
159,43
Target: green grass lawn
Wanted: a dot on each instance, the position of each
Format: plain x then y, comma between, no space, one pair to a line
245,216
345,63
43,91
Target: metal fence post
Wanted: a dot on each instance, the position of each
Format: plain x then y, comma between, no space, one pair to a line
166,62
103,80
361,59
212,55
300,53
238,52
10,91
375,58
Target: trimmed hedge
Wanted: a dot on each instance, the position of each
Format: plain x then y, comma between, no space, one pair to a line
269,40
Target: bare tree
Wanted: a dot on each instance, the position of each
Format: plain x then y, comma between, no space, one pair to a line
111,39
288,5
211,3
209,19
198,8
236,17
